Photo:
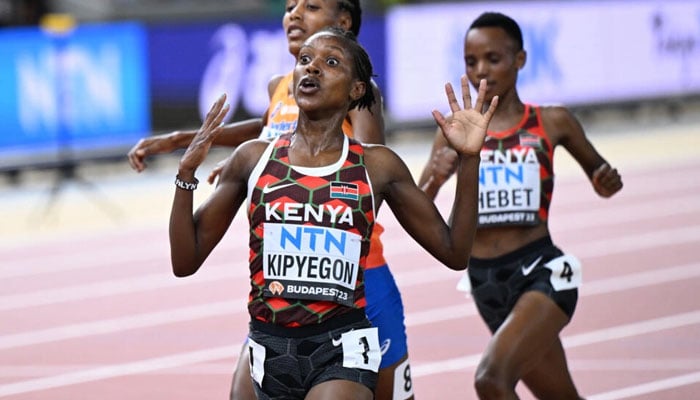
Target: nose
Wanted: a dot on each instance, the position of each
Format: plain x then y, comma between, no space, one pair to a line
312,69
481,69
295,12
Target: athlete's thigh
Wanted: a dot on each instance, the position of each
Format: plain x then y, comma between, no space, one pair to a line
242,384
340,390
394,381
550,378
527,334
385,310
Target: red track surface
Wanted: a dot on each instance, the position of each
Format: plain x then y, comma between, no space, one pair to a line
100,315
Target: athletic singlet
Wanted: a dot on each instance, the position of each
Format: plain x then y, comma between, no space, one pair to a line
282,116
309,236
516,175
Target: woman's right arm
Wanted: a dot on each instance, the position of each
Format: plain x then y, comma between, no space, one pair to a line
193,235
441,164
231,135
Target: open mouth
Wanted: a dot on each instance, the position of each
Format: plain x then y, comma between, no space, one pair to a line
308,84
295,32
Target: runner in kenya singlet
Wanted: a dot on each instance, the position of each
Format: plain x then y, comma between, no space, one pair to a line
516,175
282,118
309,236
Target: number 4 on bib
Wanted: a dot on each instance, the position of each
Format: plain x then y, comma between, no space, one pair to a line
566,272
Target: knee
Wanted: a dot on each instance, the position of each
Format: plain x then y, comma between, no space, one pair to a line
490,385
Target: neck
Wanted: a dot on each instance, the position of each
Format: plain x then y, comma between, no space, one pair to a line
509,104
315,137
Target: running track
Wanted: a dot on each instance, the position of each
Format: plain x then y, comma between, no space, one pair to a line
91,310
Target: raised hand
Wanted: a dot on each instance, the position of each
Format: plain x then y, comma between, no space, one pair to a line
606,180
205,136
465,130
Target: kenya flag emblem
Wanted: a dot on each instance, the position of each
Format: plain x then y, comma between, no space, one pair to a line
344,190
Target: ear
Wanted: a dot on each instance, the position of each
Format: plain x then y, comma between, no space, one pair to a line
357,90
344,20
521,58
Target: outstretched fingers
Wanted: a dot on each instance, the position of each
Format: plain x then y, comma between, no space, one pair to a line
211,128
480,95
439,119
452,98
216,113
466,94
491,110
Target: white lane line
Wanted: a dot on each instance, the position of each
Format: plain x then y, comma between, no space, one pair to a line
144,251
632,329
668,183
8,371
116,370
216,272
417,370
642,241
229,308
571,341
599,217
635,364
221,367
640,279
116,287
649,387
113,325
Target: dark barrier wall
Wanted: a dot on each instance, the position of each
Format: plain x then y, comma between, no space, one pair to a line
73,95
96,91
192,64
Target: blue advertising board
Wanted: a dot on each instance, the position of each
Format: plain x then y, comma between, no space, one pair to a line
83,91
192,64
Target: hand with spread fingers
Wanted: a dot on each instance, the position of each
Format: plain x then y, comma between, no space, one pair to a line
198,149
465,130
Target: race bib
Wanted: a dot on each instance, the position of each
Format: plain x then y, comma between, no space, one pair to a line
361,349
257,361
566,272
403,384
509,192
311,262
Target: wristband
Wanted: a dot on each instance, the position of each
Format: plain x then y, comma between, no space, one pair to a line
190,186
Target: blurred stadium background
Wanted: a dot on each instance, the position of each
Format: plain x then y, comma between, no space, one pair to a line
130,68
83,238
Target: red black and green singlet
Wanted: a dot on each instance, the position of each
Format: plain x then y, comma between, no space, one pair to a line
282,116
516,175
309,236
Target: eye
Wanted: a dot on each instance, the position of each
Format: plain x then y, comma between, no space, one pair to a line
290,7
304,59
332,61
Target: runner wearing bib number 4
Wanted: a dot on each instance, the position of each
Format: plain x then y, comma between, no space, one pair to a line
525,288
